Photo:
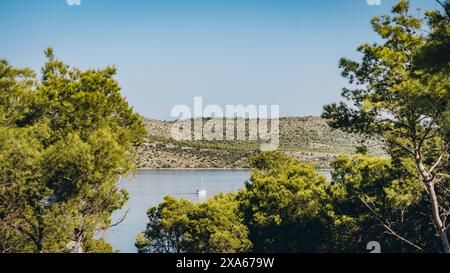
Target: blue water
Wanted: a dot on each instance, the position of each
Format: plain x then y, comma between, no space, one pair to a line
149,187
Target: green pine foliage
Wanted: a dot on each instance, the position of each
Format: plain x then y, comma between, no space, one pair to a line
180,226
400,92
65,140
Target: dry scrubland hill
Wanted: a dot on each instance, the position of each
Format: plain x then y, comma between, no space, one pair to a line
307,138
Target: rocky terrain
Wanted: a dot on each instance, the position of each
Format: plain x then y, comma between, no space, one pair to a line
307,138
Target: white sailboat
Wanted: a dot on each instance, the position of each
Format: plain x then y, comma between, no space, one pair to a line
201,192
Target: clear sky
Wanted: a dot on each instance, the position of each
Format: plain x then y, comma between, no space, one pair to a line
228,51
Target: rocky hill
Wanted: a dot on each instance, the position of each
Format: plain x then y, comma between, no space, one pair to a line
307,138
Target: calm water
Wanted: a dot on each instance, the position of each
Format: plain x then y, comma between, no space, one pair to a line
149,187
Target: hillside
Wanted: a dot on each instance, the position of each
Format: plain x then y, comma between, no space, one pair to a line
307,138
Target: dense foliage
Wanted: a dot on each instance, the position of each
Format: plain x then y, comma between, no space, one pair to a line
287,206
180,226
64,142
385,201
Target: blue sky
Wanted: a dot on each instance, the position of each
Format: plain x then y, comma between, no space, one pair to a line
227,51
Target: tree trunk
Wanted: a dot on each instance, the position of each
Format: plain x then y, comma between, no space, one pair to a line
429,182
440,226
77,245
40,241
40,247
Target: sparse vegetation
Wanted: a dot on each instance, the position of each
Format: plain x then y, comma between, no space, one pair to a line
307,138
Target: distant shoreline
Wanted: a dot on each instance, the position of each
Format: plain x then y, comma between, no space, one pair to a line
193,169
209,169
